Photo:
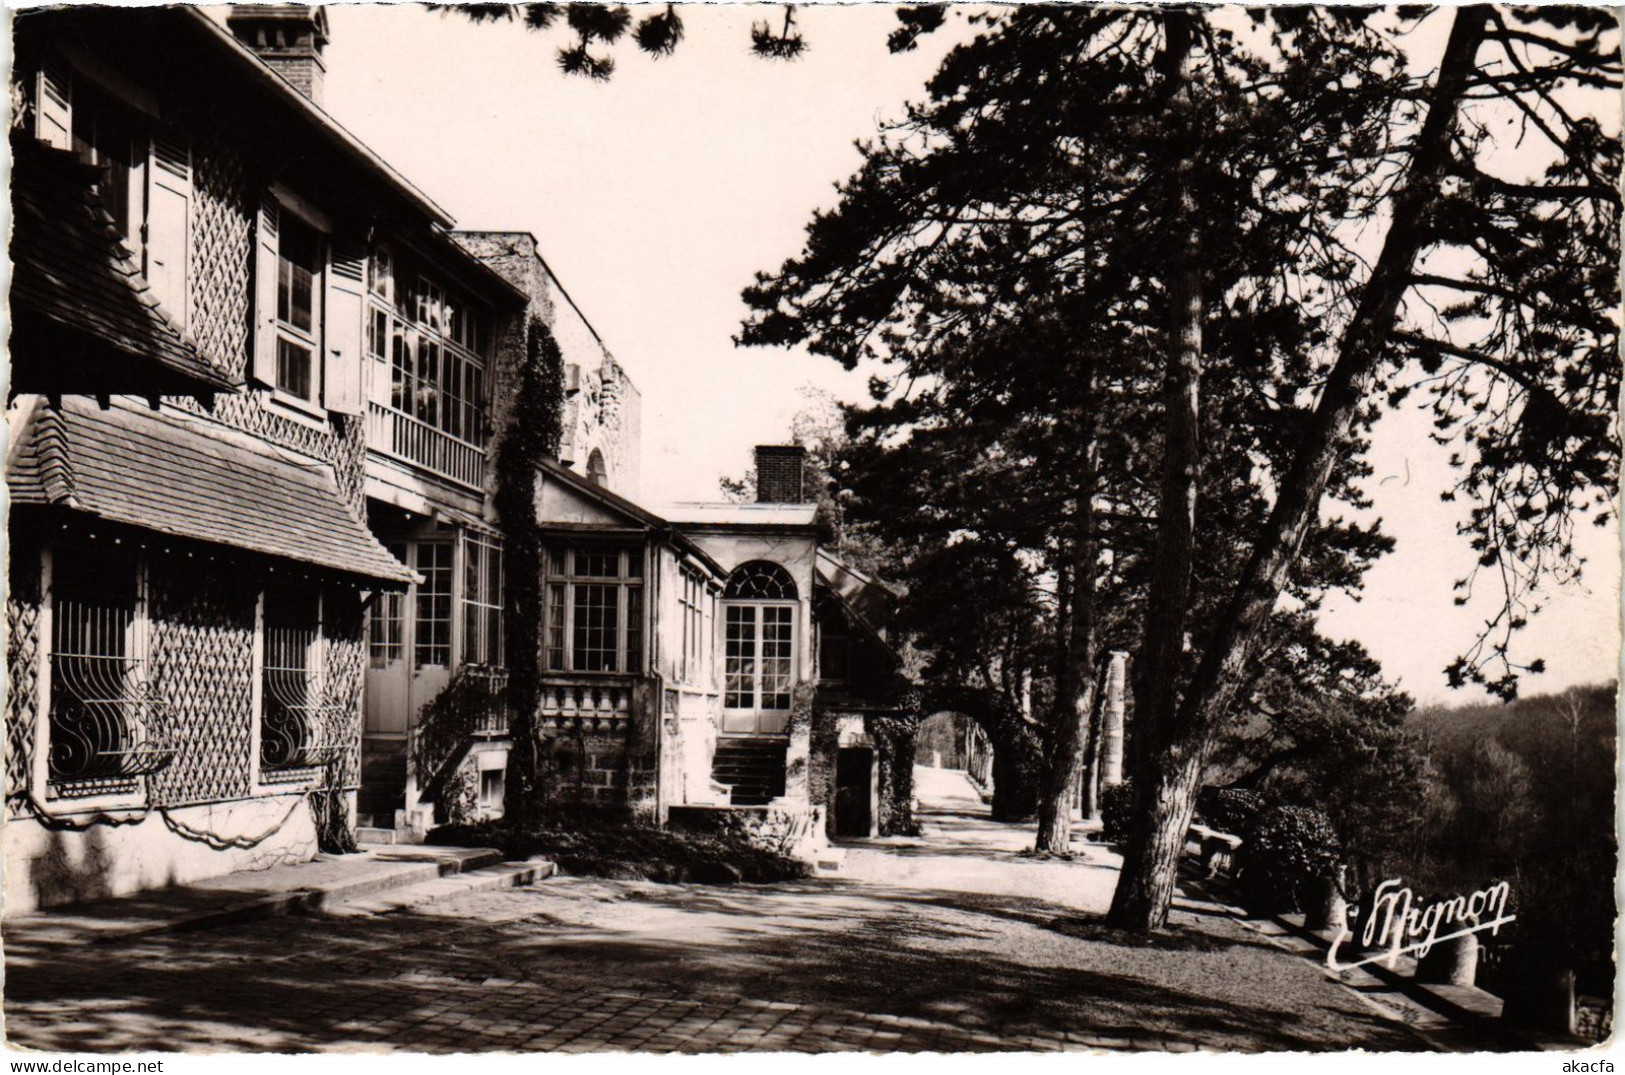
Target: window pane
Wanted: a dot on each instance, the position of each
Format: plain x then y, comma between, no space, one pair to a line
739,670
378,336
428,401
401,368
777,656
597,565
493,575
385,629
381,273
293,368
433,612
634,629
597,613
473,569
451,413
555,627
298,267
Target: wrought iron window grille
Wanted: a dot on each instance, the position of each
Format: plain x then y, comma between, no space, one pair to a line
296,712
106,721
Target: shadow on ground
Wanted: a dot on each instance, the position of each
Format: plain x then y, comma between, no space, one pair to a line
1011,970
579,965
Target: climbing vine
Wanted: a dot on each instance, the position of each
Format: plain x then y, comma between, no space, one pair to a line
532,436
445,730
895,738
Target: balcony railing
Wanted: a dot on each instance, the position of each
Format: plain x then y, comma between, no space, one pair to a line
400,435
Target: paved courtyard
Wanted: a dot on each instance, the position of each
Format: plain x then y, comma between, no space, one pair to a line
953,942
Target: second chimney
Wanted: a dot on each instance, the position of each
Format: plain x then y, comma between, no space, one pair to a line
780,474
289,38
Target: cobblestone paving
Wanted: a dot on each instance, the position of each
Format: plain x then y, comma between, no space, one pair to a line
579,965
512,971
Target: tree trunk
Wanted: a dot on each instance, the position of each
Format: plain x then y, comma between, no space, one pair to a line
1076,684
1091,775
1183,736
1163,794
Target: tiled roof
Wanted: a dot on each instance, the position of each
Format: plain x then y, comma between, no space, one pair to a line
70,267
620,504
185,476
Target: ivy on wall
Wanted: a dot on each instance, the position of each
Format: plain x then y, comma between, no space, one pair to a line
895,737
532,436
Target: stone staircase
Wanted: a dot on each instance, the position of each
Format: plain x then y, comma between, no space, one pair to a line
752,767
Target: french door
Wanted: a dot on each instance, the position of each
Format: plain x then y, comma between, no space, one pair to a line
759,668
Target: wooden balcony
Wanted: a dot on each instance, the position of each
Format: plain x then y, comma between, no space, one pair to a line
392,433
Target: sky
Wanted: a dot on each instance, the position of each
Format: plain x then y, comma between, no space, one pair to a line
657,196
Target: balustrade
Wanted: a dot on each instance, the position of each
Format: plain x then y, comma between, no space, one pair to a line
393,433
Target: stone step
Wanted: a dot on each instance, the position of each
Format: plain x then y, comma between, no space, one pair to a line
279,890
372,834
484,879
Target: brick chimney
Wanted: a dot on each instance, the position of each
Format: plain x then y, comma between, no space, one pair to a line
289,38
780,474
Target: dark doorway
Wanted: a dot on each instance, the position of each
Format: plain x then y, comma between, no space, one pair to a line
854,767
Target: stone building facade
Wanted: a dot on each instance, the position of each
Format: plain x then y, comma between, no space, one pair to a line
188,553
258,598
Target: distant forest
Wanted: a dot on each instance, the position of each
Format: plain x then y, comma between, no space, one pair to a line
1524,792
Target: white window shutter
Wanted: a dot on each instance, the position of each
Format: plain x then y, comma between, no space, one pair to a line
344,332
263,367
169,210
53,106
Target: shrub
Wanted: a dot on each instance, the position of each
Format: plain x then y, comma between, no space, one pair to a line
606,844
1287,848
1116,811
1231,810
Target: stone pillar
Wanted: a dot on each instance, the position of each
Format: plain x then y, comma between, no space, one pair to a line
1111,747
1452,962
1326,908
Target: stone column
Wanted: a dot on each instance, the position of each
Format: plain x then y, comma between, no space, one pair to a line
1111,747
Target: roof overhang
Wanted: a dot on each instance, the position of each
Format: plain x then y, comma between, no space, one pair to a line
84,318
187,477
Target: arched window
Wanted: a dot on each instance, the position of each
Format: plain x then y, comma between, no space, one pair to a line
760,581
760,670
597,472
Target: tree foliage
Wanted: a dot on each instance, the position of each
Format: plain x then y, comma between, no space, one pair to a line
593,31
1188,199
